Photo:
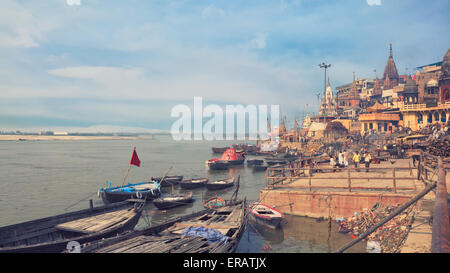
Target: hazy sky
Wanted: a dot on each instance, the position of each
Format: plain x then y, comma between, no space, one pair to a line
81,63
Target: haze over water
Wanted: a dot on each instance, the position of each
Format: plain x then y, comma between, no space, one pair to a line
45,178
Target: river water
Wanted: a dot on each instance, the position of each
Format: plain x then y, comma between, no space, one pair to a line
45,178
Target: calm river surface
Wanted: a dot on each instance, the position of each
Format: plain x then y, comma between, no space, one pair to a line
45,178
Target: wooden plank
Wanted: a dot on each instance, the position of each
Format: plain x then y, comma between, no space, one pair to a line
95,224
195,244
213,226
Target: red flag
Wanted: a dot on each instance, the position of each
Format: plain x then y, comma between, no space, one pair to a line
135,159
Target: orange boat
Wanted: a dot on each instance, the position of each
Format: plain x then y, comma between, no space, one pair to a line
233,157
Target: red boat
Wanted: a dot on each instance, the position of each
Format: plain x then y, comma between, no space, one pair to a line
229,157
233,157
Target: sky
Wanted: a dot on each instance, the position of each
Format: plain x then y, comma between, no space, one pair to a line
125,64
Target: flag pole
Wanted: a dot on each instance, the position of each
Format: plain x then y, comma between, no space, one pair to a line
126,174
134,161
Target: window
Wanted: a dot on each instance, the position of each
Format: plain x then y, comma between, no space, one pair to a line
436,116
419,118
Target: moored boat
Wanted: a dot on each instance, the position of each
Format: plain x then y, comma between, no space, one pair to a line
275,162
251,162
265,215
257,168
217,164
214,203
220,184
168,180
53,234
173,200
193,183
207,231
146,190
233,157
219,150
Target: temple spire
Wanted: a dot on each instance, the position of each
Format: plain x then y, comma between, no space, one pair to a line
390,49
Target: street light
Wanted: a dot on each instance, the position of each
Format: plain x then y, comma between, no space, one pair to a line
325,66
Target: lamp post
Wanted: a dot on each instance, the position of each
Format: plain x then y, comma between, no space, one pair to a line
325,66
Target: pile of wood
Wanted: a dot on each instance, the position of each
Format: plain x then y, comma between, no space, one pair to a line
390,236
440,147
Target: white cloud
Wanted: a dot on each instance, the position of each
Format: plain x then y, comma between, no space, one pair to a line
259,41
101,74
374,2
18,26
212,11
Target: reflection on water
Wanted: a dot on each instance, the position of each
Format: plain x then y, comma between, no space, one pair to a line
45,178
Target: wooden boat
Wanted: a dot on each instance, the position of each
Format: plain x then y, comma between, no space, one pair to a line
146,190
265,215
219,150
245,147
259,168
251,162
193,183
169,180
274,162
52,234
183,234
220,184
173,200
217,164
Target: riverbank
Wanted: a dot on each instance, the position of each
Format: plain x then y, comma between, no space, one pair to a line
69,137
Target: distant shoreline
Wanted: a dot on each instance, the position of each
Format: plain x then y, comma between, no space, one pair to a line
69,137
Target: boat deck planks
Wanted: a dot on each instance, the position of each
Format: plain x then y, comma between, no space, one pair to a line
169,237
97,223
156,244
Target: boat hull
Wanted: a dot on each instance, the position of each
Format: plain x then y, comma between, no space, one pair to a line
57,246
219,166
275,162
217,186
273,222
253,162
266,216
112,196
189,184
169,181
259,168
219,150
165,203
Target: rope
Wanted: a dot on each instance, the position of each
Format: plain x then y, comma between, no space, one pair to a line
79,201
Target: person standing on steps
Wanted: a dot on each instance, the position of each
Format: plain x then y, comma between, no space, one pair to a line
356,160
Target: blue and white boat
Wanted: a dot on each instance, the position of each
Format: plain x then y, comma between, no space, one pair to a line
142,190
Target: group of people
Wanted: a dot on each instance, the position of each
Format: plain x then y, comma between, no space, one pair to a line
342,160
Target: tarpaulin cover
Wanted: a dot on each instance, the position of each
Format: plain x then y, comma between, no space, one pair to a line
212,235
230,154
